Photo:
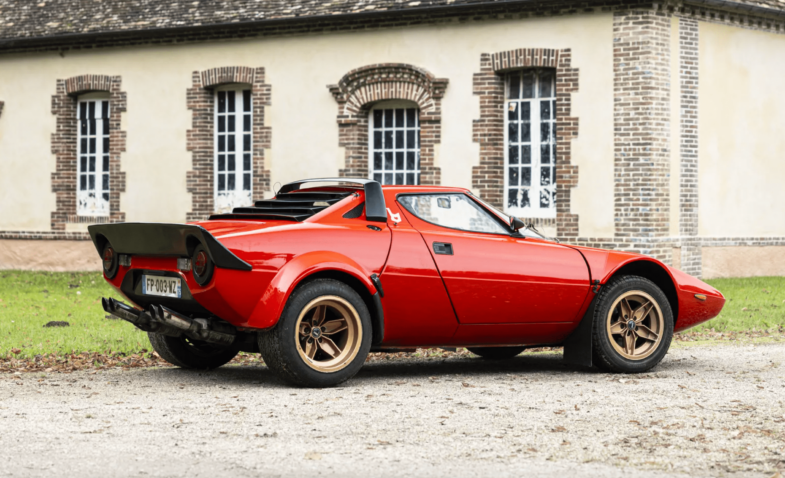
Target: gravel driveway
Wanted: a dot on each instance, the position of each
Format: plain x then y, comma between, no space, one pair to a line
705,411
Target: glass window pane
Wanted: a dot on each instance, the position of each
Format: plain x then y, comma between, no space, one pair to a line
377,140
399,118
514,87
105,196
106,126
526,176
410,179
91,182
230,163
83,164
545,198
512,176
91,112
377,119
104,109
221,101
546,84
221,182
83,126
545,153
388,118
399,160
230,182
83,145
377,177
524,198
411,142
411,117
388,139
526,135
230,127
246,100
247,162
106,164
92,164
377,161
512,154
512,197
545,110
388,178
83,110
545,132
106,145
512,132
246,142
105,181
83,182
528,84
399,139
246,182
545,176
221,162
512,111
222,143
230,143
247,123
526,157
388,161
399,178
411,161
92,145
230,102
221,124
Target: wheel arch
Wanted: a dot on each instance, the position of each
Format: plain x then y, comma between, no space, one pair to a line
311,266
656,273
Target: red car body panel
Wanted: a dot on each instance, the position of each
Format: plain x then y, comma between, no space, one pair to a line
495,289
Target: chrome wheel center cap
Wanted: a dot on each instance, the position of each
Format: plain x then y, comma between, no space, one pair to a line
316,332
631,324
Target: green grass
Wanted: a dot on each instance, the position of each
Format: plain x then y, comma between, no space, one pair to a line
28,300
753,303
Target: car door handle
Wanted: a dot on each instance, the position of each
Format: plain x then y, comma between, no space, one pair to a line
442,248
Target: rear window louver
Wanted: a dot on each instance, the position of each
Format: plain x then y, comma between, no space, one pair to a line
294,206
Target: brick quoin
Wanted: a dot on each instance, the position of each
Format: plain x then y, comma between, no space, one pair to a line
488,130
359,89
200,138
64,147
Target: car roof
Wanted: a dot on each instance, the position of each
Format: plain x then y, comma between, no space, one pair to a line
423,189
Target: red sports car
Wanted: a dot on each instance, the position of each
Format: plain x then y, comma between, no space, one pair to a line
318,277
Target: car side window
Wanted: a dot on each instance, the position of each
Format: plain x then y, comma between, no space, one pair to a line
455,211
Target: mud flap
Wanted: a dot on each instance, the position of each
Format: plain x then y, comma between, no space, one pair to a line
578,345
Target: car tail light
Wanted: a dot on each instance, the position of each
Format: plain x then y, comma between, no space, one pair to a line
184,264
202,265
110,261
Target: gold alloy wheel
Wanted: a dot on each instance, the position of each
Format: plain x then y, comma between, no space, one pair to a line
329,333
635,325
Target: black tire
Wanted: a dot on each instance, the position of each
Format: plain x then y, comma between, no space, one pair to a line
610,358
496,353
187,353
281,347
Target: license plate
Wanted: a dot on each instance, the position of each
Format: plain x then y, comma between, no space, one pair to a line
161,286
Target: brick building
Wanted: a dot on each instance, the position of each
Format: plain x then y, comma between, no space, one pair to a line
652,127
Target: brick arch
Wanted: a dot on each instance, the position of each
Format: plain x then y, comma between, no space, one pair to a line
359,89
200,181
488,130
64,147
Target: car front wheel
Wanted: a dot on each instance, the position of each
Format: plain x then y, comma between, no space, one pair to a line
633,326
322,337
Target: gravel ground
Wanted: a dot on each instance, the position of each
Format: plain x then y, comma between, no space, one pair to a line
705,411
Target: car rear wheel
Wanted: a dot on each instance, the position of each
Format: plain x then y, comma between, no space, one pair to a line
496,353
322,337
633,326
186,353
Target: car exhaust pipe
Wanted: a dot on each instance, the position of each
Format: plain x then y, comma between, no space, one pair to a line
199,329
125,312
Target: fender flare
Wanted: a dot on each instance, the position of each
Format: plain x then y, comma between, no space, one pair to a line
270,307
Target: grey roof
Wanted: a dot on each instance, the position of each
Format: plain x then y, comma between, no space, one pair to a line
30,19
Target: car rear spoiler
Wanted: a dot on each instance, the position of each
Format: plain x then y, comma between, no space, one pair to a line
375,207
154,239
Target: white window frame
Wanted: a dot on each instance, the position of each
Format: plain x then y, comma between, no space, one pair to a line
225,200
534,210
92,155
395,173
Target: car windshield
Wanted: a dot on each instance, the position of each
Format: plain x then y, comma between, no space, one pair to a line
526,231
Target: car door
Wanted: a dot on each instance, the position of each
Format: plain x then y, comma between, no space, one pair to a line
493,276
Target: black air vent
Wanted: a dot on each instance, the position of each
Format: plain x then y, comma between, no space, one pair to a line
294,206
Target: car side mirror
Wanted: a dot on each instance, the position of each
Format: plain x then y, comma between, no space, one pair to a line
516,223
